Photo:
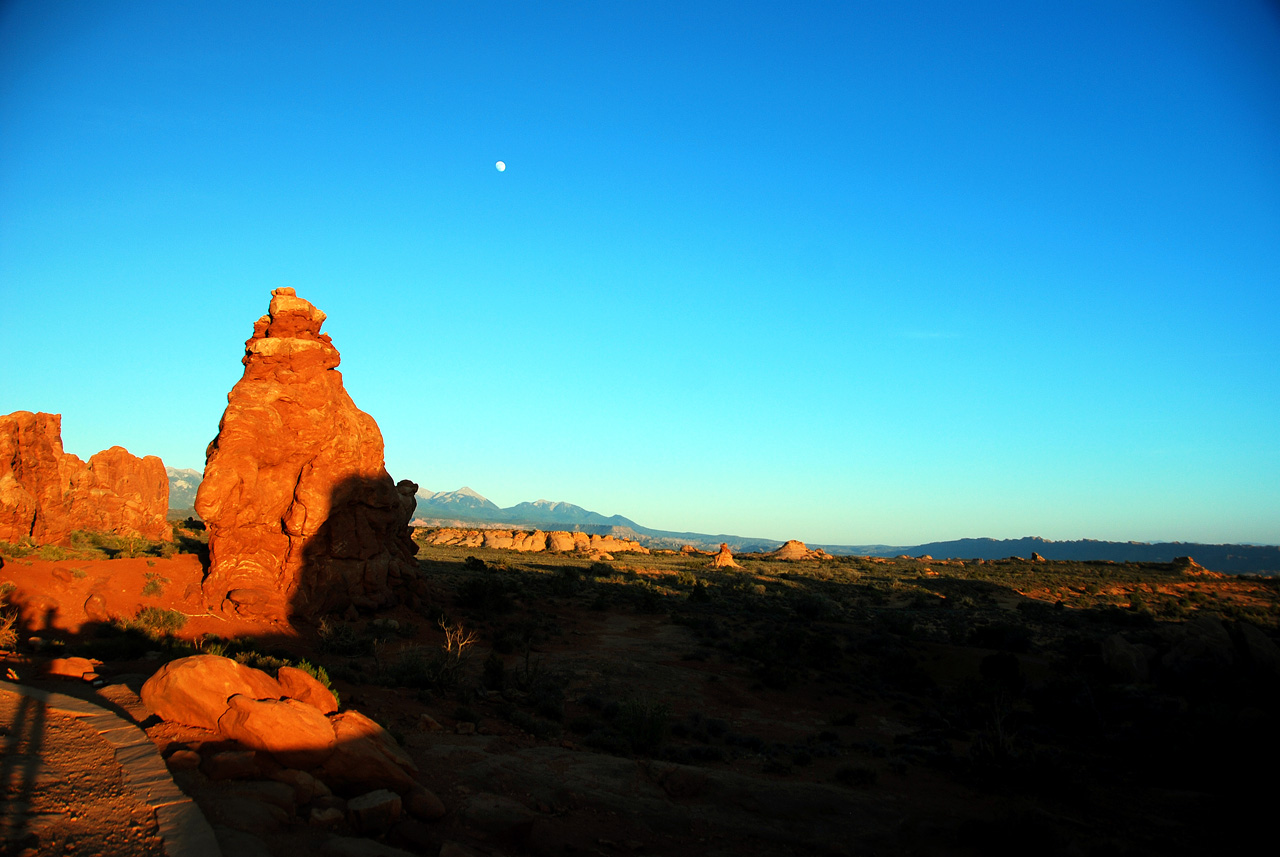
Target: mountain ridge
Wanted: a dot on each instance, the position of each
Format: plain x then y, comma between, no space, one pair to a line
466,507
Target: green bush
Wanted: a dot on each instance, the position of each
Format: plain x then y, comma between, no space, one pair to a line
154,587
155,622
8,618
339,638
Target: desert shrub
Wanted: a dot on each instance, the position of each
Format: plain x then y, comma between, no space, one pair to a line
432,669
474,564
600,569
212,644
416,666
700,592
567,580
339,638
814,606
8,620
154,587
53,553
260,661
17,550
156,622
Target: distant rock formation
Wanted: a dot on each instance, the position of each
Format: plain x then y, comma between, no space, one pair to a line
533,542
795,550
46,494
724,559
302,516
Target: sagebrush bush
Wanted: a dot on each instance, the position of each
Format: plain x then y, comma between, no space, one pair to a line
155,622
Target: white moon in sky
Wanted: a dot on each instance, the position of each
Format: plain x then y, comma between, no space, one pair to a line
501,165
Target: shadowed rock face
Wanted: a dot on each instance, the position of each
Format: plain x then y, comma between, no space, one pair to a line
46,493
301,513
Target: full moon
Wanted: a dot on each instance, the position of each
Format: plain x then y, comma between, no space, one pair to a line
501,165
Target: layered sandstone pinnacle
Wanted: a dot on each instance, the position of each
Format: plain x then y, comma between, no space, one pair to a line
302,516
46,493
724,559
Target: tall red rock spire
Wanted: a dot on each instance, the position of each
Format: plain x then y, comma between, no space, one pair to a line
302,516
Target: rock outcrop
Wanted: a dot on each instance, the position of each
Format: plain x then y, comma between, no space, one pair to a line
795,550
534,542
347,751
302,516
46,493
724,559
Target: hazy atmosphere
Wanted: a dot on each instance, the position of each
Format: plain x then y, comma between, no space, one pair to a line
845,273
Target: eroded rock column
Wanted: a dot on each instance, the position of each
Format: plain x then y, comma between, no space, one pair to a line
302,516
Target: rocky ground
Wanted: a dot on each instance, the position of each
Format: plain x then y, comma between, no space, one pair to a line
654,705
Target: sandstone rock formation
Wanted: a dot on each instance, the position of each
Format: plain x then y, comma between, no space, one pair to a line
195,690
533,542
724,559
46,494
795,550
302,516
346,750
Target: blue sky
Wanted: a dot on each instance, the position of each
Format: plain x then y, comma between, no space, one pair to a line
845,272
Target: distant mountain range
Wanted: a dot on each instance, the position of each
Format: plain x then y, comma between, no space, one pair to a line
468,508
182,487
1230,559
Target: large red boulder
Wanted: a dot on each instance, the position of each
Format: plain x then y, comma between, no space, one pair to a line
195,690
366,756
300,685
46,493
302,516
295,733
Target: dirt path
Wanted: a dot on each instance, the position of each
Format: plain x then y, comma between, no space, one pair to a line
62,791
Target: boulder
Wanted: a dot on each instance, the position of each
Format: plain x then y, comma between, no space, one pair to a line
305,787
423,803
195,690
183,760
81,668
375,812
560,541
365,756
302,686
232,765
46,493
302,516
293,732
724,559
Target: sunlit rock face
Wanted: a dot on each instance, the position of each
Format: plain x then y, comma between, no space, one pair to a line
302,516
724,559
46,493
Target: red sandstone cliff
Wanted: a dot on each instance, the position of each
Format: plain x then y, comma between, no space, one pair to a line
46,493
